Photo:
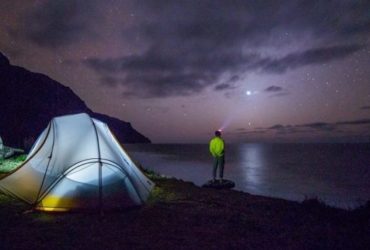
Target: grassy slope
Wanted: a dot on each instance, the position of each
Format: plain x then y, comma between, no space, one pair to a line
7,165
181,215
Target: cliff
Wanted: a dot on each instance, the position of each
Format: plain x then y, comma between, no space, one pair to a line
28,101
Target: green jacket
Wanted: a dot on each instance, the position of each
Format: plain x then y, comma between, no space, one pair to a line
217,147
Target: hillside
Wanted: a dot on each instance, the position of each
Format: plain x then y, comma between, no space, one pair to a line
29,100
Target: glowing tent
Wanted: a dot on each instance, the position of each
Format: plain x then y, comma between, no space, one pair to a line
77,163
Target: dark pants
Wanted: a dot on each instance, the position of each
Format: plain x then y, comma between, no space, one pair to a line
218,162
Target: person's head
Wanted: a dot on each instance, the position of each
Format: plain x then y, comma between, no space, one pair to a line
218,133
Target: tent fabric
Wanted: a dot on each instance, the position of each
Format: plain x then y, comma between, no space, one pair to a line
77,163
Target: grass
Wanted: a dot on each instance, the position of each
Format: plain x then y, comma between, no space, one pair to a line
159,194
181,215
7,165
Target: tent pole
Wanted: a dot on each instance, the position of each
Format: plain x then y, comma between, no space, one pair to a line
100,169
47,166
100,188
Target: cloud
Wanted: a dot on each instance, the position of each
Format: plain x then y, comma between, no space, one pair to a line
287,129
159,74
363,27
234,78
57,23
355,122
159,85
254,22
320,127
277,126
273,89
224,86
188,46
365,108
228,85
276,91
308,57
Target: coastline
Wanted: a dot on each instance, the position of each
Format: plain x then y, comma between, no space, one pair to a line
181,215
336,174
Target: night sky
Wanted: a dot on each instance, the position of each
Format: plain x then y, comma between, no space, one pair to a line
280,71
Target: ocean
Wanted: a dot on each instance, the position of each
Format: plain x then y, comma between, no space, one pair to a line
337,174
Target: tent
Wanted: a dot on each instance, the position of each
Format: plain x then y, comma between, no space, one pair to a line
77,163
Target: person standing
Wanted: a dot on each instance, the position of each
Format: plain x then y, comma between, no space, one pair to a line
217,149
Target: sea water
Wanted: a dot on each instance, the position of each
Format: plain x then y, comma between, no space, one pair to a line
337,174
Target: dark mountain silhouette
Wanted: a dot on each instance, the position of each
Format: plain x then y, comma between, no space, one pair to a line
28,101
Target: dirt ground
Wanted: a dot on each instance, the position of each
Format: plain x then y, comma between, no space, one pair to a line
180,215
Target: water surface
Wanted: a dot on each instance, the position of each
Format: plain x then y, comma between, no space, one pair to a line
338,174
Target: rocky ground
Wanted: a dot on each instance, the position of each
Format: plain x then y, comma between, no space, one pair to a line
180,215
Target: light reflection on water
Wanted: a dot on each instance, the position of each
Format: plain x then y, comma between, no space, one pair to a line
336,173
252,168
